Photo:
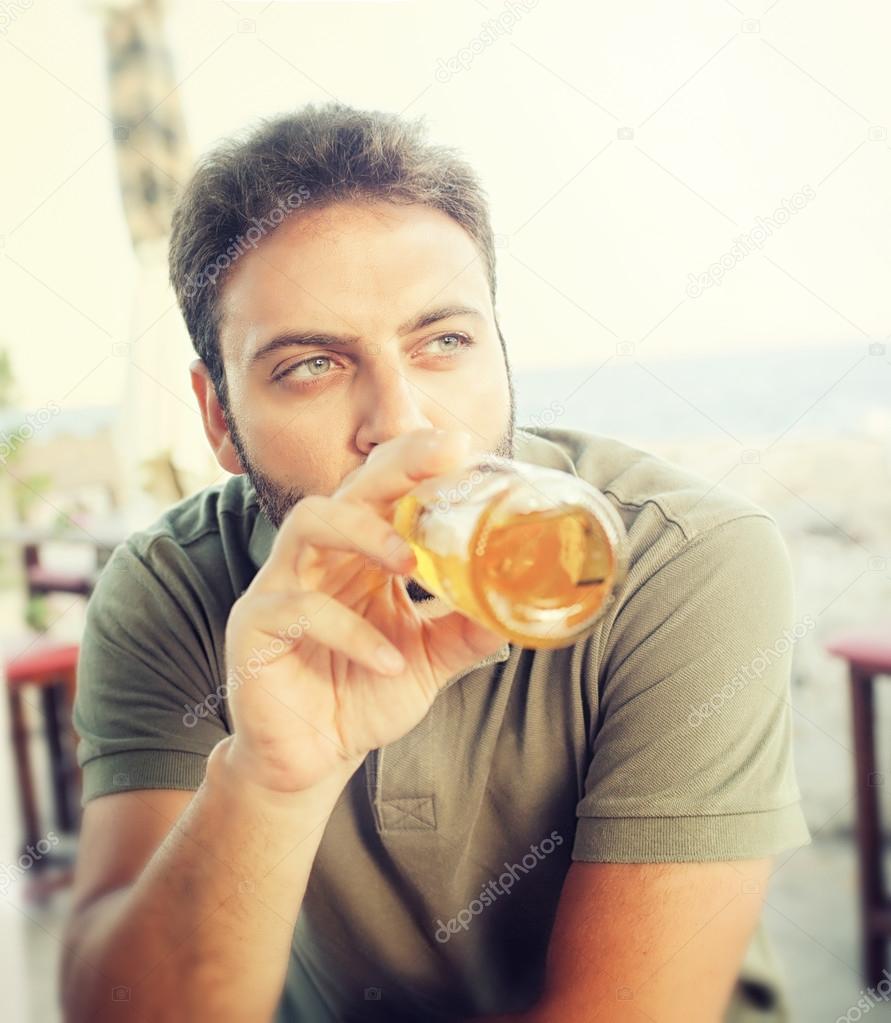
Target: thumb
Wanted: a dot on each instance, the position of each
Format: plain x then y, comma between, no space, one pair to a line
455,642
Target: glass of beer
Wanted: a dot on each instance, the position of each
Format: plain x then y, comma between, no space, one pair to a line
533,553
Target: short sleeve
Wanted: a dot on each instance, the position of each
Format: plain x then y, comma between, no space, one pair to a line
147,709
692,756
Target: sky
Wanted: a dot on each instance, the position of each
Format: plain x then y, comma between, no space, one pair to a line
632,153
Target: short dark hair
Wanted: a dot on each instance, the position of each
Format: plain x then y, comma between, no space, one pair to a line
320,154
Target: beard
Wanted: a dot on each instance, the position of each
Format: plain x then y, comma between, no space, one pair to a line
276,499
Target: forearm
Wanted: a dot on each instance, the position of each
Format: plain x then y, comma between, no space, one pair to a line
205,931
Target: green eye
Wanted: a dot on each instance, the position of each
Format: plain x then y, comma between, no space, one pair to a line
309,363
463,342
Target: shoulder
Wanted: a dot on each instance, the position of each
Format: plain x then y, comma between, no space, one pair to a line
215,511
664,506
201,543
644,487
696,548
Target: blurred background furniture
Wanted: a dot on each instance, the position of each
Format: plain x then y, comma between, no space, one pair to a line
40,579
49,669
40,674
868,654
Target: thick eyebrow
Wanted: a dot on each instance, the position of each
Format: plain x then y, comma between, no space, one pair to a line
293,338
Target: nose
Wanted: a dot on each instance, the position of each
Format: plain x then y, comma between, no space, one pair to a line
388,406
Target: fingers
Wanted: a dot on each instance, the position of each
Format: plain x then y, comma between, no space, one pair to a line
329,523
394,468
347,520
269,618
456,641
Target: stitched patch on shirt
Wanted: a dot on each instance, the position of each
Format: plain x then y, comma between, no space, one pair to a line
415,814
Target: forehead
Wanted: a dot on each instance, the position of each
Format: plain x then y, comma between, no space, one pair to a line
357,268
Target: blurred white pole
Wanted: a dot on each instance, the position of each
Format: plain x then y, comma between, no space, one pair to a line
160,420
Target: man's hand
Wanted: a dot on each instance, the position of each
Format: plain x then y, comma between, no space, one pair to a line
328,697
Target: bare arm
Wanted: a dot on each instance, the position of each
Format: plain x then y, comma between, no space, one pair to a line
639,942
203,929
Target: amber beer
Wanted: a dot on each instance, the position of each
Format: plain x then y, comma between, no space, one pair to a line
533,553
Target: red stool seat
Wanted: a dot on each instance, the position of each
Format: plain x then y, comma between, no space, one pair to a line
42,663
868,648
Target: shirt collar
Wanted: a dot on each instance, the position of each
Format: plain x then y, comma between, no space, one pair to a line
529,446
262,534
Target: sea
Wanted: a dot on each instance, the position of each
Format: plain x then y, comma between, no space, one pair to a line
840,391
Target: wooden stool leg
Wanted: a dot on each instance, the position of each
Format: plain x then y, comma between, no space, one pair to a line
869,839
52,695
25,779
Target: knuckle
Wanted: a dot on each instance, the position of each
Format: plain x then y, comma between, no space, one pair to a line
307,603
238,608
296,618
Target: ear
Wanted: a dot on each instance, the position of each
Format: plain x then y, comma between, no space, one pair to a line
214,422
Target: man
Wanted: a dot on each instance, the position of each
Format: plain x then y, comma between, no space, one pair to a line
313,792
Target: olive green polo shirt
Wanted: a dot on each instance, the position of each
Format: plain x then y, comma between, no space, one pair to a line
663,734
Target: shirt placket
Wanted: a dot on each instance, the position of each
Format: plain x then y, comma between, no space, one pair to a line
400,777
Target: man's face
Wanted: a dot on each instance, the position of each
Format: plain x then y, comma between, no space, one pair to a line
347,326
